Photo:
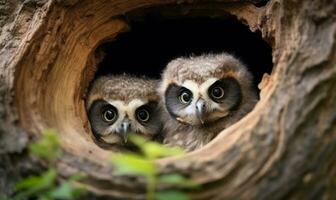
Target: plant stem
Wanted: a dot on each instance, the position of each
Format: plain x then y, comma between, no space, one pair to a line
151,187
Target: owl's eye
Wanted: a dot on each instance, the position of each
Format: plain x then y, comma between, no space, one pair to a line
217,92
143,115
109,114
185,96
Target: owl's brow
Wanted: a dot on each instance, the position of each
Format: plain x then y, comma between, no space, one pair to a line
130,107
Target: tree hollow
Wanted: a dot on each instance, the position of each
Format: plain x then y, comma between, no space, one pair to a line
288,136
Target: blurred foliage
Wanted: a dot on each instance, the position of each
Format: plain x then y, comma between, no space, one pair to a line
46,185
143,164
47,147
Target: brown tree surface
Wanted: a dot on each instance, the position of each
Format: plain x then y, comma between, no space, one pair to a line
284,149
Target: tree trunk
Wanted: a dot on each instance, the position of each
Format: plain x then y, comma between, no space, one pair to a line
284,149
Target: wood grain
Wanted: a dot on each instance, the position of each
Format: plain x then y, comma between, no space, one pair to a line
284,149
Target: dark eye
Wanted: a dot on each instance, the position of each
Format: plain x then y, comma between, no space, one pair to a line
217,92
143,115
185,97
109,114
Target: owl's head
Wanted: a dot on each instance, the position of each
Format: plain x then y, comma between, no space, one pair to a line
121,105
204,89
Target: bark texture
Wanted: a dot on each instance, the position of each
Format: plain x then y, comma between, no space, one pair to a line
284,149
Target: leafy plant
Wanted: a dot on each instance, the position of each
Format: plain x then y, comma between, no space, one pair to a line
47,147
143,164
46,186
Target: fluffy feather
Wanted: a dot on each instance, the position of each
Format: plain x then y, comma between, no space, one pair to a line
198,76
113,105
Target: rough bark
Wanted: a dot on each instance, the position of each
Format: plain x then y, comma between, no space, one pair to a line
284,149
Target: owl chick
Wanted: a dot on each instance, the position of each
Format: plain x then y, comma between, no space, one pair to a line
118,105
203,95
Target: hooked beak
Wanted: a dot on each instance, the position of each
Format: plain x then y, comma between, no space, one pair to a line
200,110
124,129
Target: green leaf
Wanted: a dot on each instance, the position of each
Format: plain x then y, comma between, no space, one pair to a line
137,140
154,150
47,147
64,191
171,195
44,197
67,190
177,179
78,191
172,179
36,183
128,163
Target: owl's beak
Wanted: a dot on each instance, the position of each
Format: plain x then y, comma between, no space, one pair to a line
201,110
125,128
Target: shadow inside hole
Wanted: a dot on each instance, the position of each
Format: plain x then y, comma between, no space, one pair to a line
153,42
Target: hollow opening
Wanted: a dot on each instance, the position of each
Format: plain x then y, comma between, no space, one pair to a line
55,72
153,41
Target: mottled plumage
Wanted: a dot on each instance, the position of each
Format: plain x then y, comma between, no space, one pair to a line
118,105
203,95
